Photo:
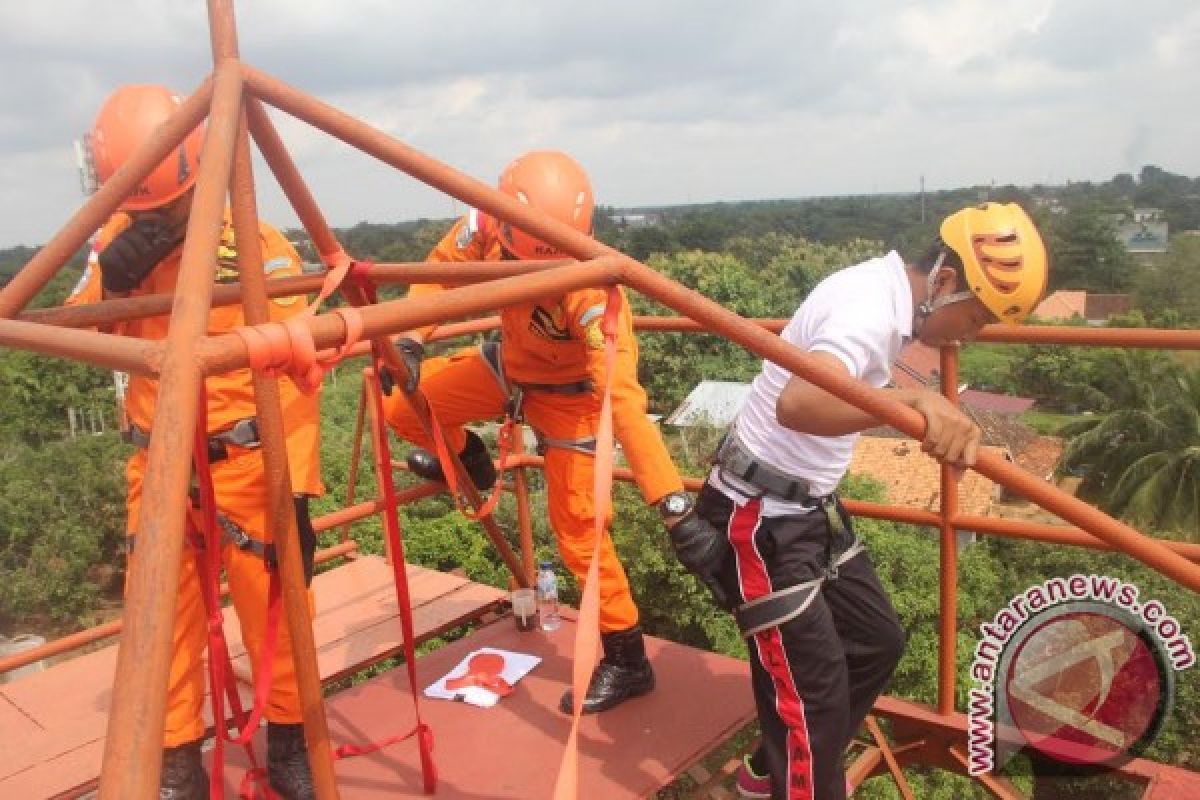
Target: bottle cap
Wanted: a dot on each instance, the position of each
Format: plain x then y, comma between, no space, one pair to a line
547,565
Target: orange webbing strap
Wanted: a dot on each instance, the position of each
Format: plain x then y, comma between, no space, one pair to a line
587,630
222,681
340,266
504,439
391,527
287,348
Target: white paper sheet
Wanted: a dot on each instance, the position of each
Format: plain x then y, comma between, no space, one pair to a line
516,666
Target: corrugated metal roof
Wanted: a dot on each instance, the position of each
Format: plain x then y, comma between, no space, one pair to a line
712,404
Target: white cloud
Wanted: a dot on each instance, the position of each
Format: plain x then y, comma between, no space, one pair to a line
664,102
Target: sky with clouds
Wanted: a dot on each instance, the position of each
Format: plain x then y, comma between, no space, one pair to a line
664,101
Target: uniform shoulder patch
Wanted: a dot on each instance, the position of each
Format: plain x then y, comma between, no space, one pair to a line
593,334
467,230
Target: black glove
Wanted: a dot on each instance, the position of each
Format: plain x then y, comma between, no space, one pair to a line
702,549
137,250
412,352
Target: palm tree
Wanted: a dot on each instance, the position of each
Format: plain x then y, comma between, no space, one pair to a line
1142,461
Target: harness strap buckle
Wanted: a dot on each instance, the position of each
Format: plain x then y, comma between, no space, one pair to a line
585,444
733,457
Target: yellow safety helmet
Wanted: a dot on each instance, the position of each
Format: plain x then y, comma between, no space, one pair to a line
1003,257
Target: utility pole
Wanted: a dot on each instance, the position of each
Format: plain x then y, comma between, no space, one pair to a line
922,199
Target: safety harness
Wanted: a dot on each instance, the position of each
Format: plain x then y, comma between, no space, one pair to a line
778,607
514,409
244,434
514,415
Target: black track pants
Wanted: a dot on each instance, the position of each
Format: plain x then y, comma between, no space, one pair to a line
817,676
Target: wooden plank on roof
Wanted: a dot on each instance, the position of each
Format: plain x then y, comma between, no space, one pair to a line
52,723
512,751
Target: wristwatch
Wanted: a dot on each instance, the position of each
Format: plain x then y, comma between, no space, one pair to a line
676,504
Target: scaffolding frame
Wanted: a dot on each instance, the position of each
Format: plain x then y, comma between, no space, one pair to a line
232,99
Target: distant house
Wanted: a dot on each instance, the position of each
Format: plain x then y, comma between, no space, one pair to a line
1143,231
632,219
712,404
1096,309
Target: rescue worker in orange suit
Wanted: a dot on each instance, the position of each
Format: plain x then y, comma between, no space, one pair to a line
137,252
551,355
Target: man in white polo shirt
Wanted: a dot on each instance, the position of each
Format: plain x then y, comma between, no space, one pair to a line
823,635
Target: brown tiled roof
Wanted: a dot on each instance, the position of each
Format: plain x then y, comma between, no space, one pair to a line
916,367
1041,456
999,430
913,478
992,401
1103,306
1063,304
1002,430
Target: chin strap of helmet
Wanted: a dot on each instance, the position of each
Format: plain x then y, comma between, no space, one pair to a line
931,304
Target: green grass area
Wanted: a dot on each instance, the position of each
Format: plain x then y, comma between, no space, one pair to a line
1047,423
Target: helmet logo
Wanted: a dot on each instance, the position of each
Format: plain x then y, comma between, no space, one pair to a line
183,170
1000,256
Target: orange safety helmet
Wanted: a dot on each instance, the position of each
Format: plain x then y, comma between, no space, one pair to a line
553,183
1003,257
129,117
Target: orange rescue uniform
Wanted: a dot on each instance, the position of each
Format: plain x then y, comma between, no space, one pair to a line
239,480
551,342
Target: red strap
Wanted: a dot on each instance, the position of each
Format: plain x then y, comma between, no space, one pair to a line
222,681
391,527
587,631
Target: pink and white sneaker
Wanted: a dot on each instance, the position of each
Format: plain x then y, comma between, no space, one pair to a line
750,785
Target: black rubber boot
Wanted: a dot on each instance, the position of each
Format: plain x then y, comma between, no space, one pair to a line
474,456
287,762
183,776
624,672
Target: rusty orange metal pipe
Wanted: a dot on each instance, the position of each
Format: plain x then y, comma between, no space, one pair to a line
1092,337
227,351
435,173
123,309
279,161
283,525
100,349
100,206
876,402
135,724
948,553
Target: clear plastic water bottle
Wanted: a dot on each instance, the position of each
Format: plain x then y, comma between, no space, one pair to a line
547,594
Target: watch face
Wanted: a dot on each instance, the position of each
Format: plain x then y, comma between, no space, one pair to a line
676,504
